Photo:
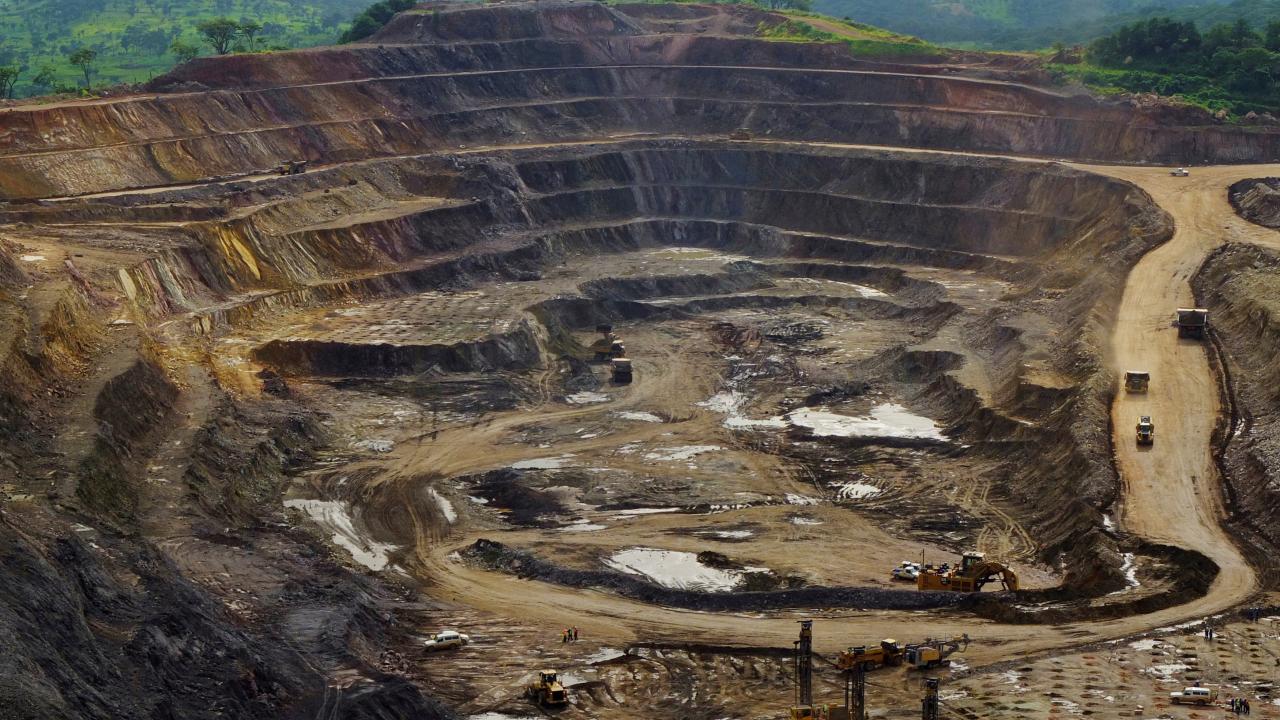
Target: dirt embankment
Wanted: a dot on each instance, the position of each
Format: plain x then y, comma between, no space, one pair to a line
1257,201
494,555
1240,285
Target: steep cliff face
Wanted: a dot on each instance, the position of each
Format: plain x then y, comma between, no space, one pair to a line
559,72
1240,284
1257,201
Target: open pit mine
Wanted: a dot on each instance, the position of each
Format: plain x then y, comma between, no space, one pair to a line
560,357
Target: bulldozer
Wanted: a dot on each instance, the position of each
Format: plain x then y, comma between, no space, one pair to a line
547,690
974,572
608,347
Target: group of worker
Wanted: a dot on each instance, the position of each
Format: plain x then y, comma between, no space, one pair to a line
1240,706
569,634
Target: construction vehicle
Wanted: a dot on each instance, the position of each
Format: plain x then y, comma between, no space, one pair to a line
608,347
887,654
933,653
621,368
1136,380
1180,172
740,134
547,690
1146,430
975,571
1194,696
804,707
1192,322
291,167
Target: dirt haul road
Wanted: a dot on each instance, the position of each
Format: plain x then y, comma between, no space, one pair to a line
1172,491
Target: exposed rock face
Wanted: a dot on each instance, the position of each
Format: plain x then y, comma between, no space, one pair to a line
1240,285
149,571
560,72
1258,201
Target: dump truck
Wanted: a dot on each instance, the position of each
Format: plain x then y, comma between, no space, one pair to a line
1193,322
608,346
1136,380
1146,430
621,368
974,572
547,690
291,167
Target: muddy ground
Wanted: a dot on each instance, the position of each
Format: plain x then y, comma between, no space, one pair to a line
261,435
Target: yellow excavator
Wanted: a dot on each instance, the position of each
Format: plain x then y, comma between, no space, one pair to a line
974,572
608,346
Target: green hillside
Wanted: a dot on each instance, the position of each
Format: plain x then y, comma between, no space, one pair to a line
1256,12
982,21
132,37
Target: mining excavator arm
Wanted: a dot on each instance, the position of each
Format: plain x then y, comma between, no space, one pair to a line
986,572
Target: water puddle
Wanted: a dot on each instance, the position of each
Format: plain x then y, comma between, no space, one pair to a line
730,404
856,490
446,507
681,453
378,446
805,521
886,420
586,398
728,534
583,526
547,463
638,416
674,569
335,517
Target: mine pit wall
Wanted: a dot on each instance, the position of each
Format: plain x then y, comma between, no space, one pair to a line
1257,200
34,361
519,349
1083,217
150,141
1240,284
132,409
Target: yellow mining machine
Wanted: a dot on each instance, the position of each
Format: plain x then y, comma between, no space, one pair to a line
291,167
853,665
929,654
608,347
547,690
974,572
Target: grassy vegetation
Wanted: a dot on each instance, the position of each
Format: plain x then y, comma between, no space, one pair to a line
1230,67
977,21
862,40
132,38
